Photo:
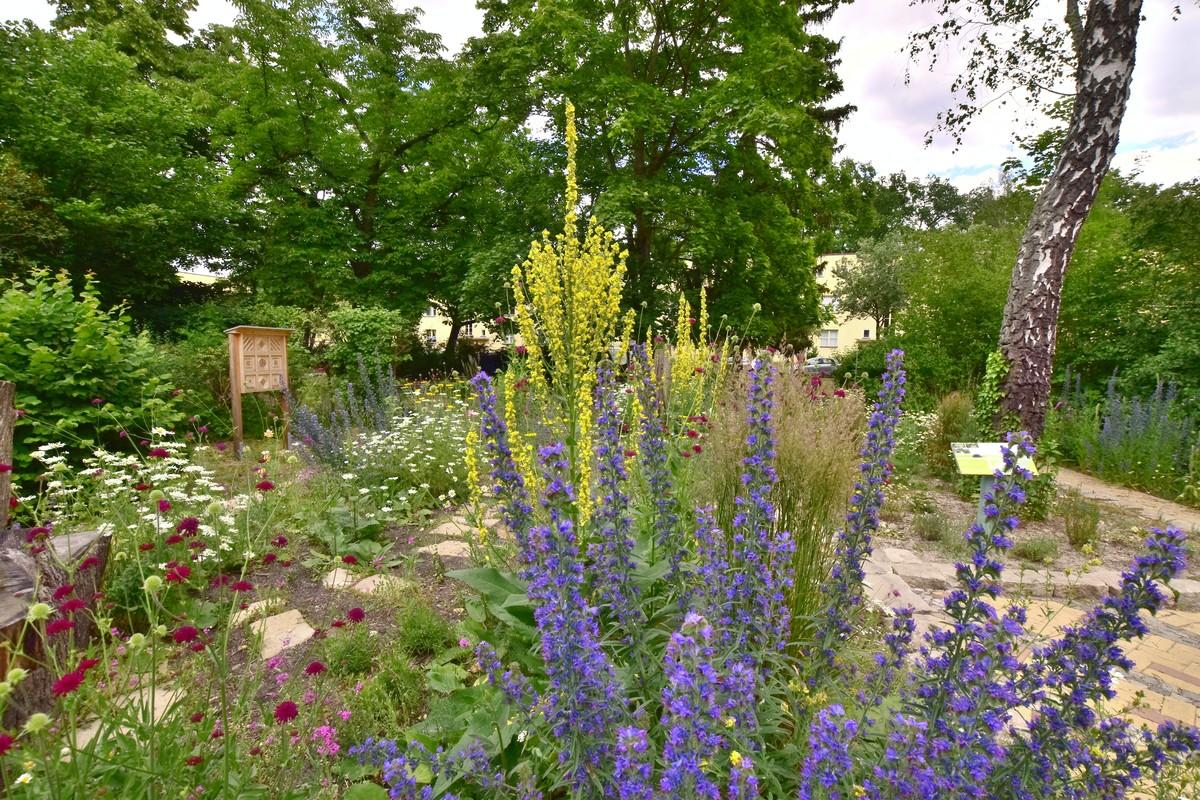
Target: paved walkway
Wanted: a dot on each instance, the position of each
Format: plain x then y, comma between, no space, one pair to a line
1146,505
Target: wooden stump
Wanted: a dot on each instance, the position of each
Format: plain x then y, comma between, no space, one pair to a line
27,579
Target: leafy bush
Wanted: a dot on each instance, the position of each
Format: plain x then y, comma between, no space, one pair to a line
367,333
1082,518
351,651
421,631
83,376
931,526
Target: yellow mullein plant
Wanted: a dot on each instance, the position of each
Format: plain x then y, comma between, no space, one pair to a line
568,300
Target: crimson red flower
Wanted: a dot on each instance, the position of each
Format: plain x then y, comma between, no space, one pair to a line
185,634
6,743
196,646
697,448
338,623
146,546
5,468
286,711
57,626
242,586
164,506
315,668
178,574
356,614
264,486
269,558
66,590
197,717
141,487
13,502
197,544
34,534
187,525
349,559
87,664
71,606
839,392
88,563
157,452
280,541
68,683
219,580
194,761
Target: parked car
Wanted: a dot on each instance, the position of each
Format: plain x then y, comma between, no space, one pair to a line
821,365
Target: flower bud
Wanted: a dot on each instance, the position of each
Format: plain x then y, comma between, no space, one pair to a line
38,612
157,495
152,584
15,675
137,641
37,722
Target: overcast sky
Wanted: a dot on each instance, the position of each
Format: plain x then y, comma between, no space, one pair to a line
1160,136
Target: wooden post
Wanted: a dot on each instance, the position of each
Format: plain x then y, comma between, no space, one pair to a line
8,419
235,388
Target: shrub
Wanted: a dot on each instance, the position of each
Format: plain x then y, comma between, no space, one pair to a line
82,375
1038,550
1082,518
368,333
351,652
955,422
421,631
931,526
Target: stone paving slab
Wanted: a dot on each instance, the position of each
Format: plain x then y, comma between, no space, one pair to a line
450,548
281,631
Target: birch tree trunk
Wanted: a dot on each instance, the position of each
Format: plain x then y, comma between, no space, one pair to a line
1104,46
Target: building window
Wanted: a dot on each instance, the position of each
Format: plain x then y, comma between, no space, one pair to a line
431,311
430,337
821,271
866,333
829,337
468,330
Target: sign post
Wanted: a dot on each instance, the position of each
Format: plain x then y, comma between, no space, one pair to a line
257,363
984,459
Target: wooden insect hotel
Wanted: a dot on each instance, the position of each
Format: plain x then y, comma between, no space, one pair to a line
257,363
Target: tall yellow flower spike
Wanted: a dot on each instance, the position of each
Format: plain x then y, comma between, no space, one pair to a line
568,295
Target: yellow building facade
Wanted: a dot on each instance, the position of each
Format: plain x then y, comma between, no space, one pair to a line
839,333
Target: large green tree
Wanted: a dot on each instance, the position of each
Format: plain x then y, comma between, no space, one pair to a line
702,129
367,169
114,170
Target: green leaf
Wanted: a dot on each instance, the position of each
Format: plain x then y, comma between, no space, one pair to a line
445,678
490,582
366,791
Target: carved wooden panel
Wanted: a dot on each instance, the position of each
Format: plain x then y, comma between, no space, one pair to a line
264,362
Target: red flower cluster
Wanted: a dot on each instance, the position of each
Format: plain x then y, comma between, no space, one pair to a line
185,634
178,573
157,452
242,586
187,526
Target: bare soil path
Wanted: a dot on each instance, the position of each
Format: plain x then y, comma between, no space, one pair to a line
1144,505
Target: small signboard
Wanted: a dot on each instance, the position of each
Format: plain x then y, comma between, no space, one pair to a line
984,458
257,363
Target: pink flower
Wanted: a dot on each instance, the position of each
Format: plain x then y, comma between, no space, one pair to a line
178,574
326,739
344,714
280,541
310,697
187,526
158,452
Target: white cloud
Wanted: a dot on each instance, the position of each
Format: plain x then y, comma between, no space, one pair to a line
888,128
